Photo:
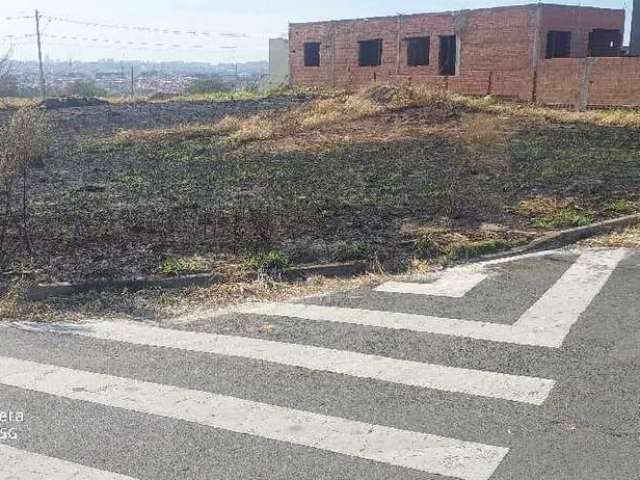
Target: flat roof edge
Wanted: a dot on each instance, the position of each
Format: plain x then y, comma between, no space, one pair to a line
452,12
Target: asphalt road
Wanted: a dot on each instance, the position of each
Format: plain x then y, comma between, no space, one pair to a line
527,369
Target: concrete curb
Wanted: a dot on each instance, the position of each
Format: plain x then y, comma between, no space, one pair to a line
564,238
338,270
44,291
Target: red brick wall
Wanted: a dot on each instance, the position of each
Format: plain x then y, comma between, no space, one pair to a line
580,22
560,81
499,64
310,76
592,81
497,52
615,81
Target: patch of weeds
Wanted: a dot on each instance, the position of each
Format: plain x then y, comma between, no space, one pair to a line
182,266
619,207
254,128
568,217
132,181
267,262
357,251
227,125
470,249
540,205
425,246
11,301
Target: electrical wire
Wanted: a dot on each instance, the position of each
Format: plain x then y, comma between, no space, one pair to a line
128,43
164,30
96,41
22,17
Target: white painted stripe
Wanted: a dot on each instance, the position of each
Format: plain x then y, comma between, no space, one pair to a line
546,324
455,283
527,256
21,465
472,382
398,321
424,452
553,316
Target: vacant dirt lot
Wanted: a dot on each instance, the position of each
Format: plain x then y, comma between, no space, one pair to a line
386,174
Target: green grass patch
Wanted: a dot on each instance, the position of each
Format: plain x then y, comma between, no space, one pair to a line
562,218
267,262
619,207
471,249
357,251
425,246
174,267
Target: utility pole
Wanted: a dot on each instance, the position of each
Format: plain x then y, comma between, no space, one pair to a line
634,46
133,84
43,85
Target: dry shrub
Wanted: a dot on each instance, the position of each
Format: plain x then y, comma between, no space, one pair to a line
321,113
11,301
23,142
291,122
483,133
361,107
398,97
254,128
227,125
5,67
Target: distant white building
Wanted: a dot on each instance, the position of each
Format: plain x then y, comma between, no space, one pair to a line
278,63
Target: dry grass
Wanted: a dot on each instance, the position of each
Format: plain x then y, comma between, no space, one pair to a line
553,213
15,102
11,302
319,113
339,109
225,295
483,132
180,132
484,138
630,238
257,127
540,205
619,117
175,306
228,124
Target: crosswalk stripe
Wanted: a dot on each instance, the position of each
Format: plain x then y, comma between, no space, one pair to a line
472,382
421,451
22,465
546,324
392,320
555,313
454,283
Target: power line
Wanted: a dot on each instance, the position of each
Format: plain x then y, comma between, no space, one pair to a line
21,35
22,17
164,30
116,42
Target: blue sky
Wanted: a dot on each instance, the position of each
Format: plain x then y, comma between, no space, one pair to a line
237,30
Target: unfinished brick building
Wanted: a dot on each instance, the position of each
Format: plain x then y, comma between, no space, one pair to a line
552,54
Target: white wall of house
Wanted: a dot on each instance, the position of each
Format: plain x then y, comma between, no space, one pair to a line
278,62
